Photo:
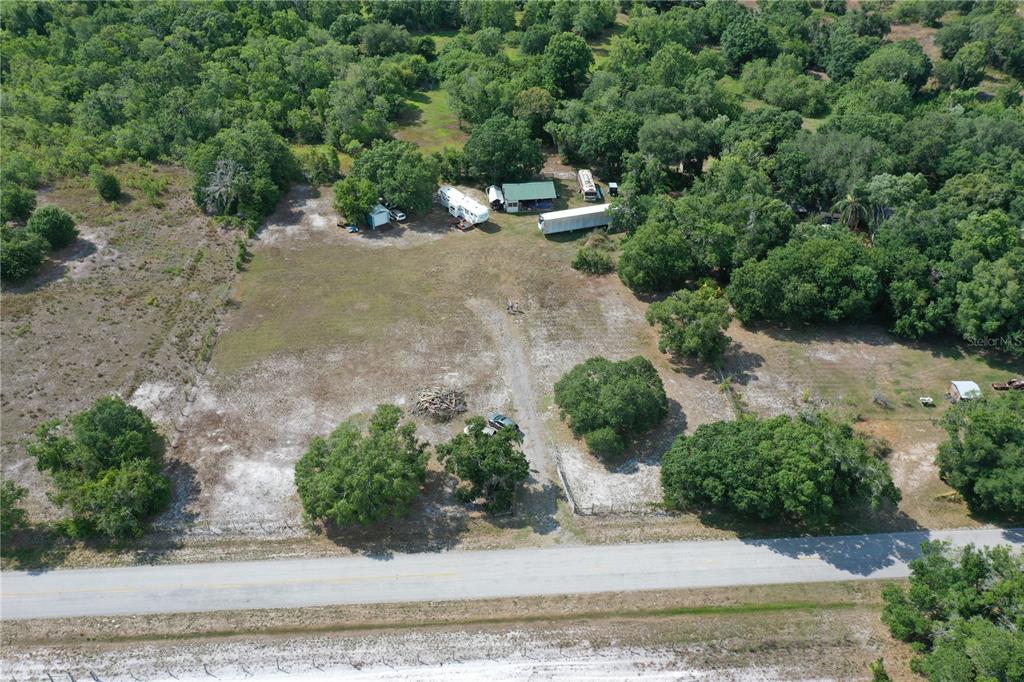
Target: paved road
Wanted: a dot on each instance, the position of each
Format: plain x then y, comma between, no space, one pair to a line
468,575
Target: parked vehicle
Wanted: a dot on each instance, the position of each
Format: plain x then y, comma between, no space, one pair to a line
588,188
397,215
496,422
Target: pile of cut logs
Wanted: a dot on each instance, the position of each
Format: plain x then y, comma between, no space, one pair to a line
440,402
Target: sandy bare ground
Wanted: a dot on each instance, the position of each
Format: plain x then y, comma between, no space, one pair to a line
639,650
331,324
123,310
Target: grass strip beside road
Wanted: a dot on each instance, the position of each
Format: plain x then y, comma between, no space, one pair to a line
833,597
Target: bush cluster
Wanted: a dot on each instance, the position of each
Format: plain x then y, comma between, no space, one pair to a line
107,468
607,403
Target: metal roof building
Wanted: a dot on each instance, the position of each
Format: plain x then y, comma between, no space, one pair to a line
529,196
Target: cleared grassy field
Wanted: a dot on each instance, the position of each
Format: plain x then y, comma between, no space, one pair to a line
430,123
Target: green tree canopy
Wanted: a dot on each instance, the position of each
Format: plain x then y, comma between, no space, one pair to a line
746,38
607,402
964,611
242,171
991,303
801,469
350,478
493,466
828,274
107,468
399,173
566,63
16,202
692,322
354,197
983,459
500,150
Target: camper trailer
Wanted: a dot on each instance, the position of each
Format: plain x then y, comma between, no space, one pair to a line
587,186
462,206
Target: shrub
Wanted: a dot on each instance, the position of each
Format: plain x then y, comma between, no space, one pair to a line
801,469
54,225
16,202
625,398
106,466
351,478
105,183
12,515
593,261
21,253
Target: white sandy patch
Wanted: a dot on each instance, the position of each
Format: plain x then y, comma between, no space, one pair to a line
158,399
630,485
460,655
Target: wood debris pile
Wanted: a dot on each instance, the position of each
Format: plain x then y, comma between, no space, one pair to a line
440,402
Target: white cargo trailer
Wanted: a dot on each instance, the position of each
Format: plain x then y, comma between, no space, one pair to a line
574,219
462,206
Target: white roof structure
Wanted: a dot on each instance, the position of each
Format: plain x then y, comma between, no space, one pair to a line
967,389
570,212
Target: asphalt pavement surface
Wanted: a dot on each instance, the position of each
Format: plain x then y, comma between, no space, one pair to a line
459,575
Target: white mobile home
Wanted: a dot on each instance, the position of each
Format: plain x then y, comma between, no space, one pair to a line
574,219
462,206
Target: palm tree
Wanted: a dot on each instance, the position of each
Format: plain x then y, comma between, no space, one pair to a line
852,211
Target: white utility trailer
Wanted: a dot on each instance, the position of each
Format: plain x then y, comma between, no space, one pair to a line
574,219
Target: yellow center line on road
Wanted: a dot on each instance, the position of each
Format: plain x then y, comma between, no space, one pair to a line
232,586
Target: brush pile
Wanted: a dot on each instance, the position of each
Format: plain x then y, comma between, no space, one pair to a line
440,402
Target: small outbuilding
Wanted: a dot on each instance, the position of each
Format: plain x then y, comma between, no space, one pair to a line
378,217
529,196
495,197
963,390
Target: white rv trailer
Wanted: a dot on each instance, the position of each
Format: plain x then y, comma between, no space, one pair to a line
574,219
462,206
587,187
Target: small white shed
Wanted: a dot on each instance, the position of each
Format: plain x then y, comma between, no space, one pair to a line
964,390
495,197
